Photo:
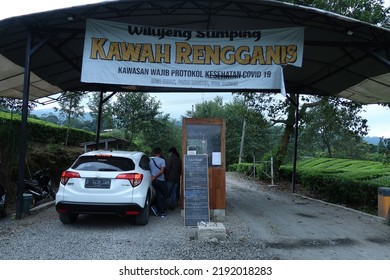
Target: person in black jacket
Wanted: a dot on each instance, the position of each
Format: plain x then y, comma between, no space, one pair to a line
173,174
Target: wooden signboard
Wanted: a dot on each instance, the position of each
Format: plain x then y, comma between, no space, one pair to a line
196,192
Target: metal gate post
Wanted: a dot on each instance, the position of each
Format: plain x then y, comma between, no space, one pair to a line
23,129
294,173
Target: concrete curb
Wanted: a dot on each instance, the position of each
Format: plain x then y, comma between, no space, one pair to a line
340,206
35,209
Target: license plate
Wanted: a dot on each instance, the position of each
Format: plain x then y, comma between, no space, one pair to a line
97,183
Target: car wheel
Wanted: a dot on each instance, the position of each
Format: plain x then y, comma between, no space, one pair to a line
143,217
67,218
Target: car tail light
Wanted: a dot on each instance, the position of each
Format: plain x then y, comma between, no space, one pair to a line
66,175
134,178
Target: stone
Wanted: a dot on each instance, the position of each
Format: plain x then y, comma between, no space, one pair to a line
210,230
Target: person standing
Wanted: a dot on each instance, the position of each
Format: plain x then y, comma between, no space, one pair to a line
173,177
157,169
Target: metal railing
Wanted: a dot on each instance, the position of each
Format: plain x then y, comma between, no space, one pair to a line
268,172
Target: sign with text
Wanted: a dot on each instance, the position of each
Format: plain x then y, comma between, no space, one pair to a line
196,191
126,54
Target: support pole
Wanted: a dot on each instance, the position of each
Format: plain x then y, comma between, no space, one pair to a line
272,172
99,120
242,140
254,167
23,129
294,173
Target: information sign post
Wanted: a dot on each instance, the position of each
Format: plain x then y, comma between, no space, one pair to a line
206,138
196,191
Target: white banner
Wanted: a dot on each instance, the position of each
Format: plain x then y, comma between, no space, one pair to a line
123,54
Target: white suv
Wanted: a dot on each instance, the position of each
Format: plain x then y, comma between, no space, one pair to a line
106,182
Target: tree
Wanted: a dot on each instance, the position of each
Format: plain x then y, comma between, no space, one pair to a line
257,141
107,120
279,112
335,126
162,132
208,109
386,144
133,110
70,107
328,122
282,111
52,118
13,105
372,11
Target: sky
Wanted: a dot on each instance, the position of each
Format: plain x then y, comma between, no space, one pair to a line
177,104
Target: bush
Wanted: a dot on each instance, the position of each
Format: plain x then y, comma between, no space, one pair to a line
44,132
44,149
9,139
349,182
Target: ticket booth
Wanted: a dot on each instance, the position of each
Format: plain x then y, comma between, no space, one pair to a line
207,137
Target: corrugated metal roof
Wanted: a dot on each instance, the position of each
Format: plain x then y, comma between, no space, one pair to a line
342,56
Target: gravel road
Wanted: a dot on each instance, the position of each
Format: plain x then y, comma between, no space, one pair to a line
261,223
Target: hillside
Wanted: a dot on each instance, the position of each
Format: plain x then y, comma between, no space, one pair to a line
374,140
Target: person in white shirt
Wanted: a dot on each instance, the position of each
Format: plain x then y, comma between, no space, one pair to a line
157,169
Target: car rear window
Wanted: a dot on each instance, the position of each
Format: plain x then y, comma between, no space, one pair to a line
93,163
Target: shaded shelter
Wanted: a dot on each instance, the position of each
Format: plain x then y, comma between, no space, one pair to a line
105,144
41,54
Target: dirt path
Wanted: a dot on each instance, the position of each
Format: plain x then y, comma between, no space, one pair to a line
295,227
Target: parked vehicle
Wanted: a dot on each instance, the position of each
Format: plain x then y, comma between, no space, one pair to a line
106,182
3,210
39,185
